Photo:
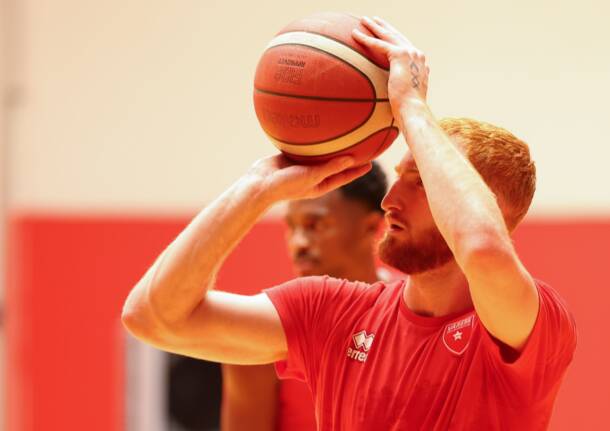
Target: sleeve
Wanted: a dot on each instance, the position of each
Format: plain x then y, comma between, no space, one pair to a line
540,366
309,308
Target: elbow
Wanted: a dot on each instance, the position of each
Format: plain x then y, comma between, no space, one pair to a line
144,328
134,322
130,320
139,321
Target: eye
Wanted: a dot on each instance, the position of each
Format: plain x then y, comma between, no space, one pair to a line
314,225
317,225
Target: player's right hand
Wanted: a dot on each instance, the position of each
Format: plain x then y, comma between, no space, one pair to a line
282,179
409,71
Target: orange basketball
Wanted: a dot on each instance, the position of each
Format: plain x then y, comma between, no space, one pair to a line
319,94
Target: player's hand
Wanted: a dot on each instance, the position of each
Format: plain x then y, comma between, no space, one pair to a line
409,72
282,179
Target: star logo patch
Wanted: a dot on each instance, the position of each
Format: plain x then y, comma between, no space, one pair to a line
457,334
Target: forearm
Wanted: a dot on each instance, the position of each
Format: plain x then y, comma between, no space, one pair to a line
177,282
464,208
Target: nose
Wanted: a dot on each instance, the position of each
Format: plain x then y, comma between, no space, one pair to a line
298,240
391,201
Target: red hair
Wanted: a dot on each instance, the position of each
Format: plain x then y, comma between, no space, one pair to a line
502,160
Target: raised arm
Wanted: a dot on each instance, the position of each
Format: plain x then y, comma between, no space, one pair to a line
172,306
465,210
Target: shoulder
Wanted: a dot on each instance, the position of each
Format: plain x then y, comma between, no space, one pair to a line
554,311
358,290
552,302
553,336
325,291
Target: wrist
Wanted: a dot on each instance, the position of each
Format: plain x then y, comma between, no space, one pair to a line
413,114
411,106
258,193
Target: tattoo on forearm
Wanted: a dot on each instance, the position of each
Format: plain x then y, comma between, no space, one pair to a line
414,75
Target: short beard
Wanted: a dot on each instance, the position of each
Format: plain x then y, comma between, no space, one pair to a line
412,257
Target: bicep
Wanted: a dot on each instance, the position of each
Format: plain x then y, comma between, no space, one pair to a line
231,328
504,295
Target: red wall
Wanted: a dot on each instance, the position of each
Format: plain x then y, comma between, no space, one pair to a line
574,257
69,276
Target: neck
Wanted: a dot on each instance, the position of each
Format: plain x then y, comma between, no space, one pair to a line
439,292
365,270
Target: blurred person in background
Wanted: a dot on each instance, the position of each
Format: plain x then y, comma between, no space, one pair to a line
336,235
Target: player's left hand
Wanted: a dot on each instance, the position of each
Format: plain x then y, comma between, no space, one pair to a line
408,81
282,179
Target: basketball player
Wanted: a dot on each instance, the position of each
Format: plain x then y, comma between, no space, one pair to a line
469,341
336,235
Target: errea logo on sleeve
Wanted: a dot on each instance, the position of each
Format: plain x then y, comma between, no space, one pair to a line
362,344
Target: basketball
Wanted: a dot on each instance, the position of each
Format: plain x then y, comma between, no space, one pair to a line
319,94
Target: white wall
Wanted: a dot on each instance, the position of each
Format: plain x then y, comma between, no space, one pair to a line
146,104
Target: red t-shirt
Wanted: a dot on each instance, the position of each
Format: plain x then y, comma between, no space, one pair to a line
372,364
295,407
